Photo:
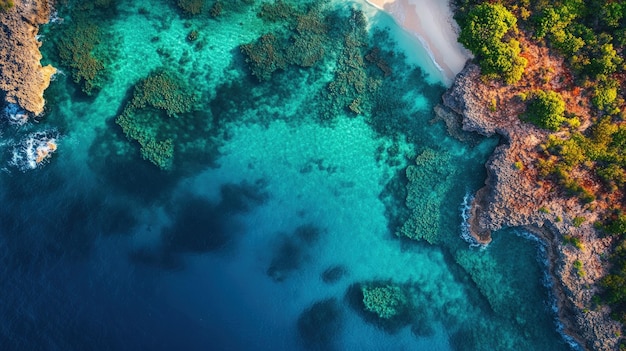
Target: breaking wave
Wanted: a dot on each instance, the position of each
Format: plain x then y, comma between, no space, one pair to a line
465,214
15,115
34,150
548,282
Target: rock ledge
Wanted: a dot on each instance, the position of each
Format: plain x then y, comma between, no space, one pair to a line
513,197
22,78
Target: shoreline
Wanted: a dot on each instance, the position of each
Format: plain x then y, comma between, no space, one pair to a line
22,77
435,28
512,198
547,237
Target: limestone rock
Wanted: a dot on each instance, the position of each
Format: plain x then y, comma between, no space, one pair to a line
514,197
22,77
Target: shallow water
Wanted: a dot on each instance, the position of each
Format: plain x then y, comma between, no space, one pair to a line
277,207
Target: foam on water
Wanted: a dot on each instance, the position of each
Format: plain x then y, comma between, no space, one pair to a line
465,215
15,115
34,150
548,282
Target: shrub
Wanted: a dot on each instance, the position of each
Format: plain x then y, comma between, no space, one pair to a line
605,95
578,267
546,109
572,240
578,221
613,176
6,5
616,224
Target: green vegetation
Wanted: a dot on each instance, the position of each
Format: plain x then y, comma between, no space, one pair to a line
587,158
578,267
615,284
599,149
386,301
572,240
6,5
158,99
546,109
578,221
484,31
605,96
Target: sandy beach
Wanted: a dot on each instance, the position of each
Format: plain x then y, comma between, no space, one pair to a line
432,23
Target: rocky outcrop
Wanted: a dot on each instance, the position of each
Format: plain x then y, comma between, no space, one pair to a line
513,196
22,78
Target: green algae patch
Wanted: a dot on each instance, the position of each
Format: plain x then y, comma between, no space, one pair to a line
153,115
301,43
79,48
191,7
264,56
430,178
311,36
385,301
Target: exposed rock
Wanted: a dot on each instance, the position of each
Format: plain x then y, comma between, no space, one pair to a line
22,78
514,197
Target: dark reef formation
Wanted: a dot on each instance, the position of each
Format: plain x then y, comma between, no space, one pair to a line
513,197
22,78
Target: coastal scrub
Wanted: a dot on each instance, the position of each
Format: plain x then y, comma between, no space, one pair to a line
5,5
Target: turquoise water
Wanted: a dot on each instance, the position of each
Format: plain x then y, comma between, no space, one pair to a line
279,205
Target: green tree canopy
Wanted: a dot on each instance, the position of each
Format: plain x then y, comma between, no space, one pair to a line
546,109
483,32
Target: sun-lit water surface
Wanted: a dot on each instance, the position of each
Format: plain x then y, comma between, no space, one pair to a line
267,227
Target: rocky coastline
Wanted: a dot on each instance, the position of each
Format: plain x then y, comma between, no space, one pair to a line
22,77
514,197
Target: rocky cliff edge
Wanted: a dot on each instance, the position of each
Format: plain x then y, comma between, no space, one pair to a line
22,77
513,196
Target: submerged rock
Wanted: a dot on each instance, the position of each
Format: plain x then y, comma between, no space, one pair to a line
333,274
319,324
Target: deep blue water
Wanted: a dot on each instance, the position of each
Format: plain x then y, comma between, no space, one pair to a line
280,205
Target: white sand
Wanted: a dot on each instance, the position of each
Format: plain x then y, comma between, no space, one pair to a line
431,21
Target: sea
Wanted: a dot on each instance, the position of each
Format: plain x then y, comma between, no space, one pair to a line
298,175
